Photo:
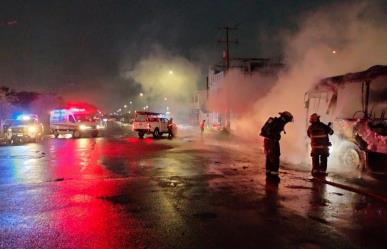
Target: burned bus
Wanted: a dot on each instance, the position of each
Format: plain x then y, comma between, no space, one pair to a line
355,103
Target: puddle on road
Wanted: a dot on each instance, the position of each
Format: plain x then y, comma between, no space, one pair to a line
81,198
298,187
38,155
171,182
117,199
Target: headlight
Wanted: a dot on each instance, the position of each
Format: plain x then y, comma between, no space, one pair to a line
84,127
99,127
32,129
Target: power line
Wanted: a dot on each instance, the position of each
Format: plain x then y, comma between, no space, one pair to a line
227,41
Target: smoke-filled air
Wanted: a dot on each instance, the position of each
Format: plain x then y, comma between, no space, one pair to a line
333,40
167,82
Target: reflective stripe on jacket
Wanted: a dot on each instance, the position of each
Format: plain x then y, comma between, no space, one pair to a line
318,133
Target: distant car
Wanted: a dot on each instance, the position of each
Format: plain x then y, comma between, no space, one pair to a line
151,123
23,129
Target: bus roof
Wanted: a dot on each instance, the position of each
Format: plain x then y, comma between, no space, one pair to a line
370,74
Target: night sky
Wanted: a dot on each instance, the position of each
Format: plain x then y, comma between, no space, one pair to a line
83,46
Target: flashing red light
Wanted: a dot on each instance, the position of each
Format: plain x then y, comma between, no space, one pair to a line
80,107
77,109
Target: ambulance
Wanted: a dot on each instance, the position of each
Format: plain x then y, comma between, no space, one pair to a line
78,122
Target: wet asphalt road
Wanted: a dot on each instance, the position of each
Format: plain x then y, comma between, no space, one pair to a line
182,193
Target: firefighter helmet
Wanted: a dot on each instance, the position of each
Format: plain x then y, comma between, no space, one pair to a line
287,116
314,118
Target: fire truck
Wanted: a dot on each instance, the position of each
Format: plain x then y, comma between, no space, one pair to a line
356,104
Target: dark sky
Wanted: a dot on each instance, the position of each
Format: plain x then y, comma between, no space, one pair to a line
81,46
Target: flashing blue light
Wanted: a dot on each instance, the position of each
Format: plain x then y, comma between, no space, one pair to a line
15,115
24,117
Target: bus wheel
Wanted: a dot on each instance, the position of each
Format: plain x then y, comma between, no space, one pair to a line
352,158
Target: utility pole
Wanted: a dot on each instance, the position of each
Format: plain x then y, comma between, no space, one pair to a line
227,41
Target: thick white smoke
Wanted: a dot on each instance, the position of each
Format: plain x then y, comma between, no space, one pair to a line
239,91
333,40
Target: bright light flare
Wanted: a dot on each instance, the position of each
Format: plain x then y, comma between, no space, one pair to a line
170,72
24,117
84,127
32,129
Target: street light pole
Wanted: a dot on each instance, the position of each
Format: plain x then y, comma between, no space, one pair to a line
227,41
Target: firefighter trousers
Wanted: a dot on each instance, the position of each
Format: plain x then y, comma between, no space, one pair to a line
319,162
272,151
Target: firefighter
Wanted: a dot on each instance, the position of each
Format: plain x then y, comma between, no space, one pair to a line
170,128
319,141
271,131
201,125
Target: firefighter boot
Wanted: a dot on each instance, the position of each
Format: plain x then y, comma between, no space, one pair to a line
315,165
273,176
323,165
268,166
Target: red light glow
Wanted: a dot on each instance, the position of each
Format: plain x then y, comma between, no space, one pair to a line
81,107
77,110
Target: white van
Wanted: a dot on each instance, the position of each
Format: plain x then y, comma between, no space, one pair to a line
76,122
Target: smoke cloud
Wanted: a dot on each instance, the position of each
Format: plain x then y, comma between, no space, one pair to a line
333,40
240,91
166,81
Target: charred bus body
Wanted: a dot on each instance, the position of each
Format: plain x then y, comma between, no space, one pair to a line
356,104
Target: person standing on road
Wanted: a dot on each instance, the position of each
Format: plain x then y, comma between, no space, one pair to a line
319,141
271,131
201,125
170,128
